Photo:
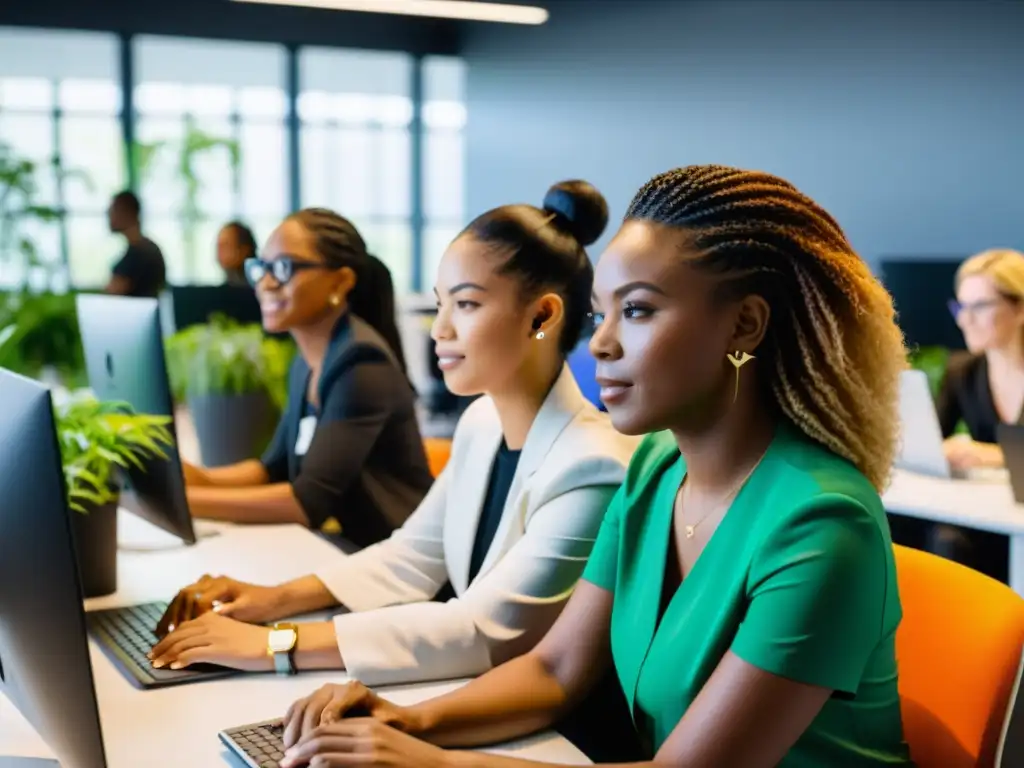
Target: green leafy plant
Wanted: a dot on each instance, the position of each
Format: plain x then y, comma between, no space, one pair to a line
195,144
19,209
933,361
40,331
97,440
38,328
227,358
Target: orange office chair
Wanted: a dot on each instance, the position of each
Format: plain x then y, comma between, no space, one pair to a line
439,451
959,654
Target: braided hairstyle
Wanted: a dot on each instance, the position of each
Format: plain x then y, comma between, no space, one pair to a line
832,354
373,298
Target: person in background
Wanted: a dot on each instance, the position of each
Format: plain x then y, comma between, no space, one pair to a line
235,244
507,528
982,387
348,450
141,271
743,584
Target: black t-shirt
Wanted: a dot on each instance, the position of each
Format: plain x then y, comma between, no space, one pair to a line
143,266
502,473
967,394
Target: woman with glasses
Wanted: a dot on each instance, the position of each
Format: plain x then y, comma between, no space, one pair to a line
985,385
348,451
982,387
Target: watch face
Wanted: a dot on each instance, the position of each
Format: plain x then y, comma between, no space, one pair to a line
281,640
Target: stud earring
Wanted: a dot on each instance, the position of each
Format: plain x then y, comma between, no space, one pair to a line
540,336
738,360
335,300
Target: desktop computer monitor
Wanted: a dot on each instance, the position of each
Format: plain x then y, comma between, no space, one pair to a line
44,656
187,305
124,359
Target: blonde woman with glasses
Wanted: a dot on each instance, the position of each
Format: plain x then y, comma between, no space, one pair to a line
985,385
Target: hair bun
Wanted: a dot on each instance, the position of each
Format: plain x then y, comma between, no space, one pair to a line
581,210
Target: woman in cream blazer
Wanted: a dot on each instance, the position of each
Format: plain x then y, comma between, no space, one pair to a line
513,297
570,467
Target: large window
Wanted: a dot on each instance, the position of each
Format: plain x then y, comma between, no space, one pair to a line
444,120
210,145
356,109
60,105
211,142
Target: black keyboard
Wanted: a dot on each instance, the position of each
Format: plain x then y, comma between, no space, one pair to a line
126,635
259,745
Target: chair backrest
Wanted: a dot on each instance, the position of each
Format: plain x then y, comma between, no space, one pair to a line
439,451
959,652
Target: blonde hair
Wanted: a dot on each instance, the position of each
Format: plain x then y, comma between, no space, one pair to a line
834,351
1003,266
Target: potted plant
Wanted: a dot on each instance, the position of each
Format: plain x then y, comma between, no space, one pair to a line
97,441
38,324
234,380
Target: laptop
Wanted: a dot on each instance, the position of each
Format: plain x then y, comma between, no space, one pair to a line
1011,440
920,448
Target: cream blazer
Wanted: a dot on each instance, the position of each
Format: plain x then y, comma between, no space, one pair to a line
570,467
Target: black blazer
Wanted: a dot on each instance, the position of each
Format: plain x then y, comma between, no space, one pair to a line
966,394
365,466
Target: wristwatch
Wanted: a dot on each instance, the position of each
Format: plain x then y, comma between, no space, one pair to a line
281,645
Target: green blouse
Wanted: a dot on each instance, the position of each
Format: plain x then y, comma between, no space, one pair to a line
798,580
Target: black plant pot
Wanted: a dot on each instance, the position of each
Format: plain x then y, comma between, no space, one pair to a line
95,535
232,428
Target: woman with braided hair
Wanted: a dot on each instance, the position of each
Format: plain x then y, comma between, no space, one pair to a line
742,585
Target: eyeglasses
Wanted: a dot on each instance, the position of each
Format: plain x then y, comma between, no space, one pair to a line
282,269
956,308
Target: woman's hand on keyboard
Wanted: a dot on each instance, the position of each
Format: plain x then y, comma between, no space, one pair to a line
364,742
215,639
332,702
246,602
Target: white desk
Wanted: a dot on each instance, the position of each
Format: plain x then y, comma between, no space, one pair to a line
985,504
178,726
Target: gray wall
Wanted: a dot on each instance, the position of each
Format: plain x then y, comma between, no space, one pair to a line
905,119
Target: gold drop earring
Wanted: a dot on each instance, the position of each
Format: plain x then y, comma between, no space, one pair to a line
738,359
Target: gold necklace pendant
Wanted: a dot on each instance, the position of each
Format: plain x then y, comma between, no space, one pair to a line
689,531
